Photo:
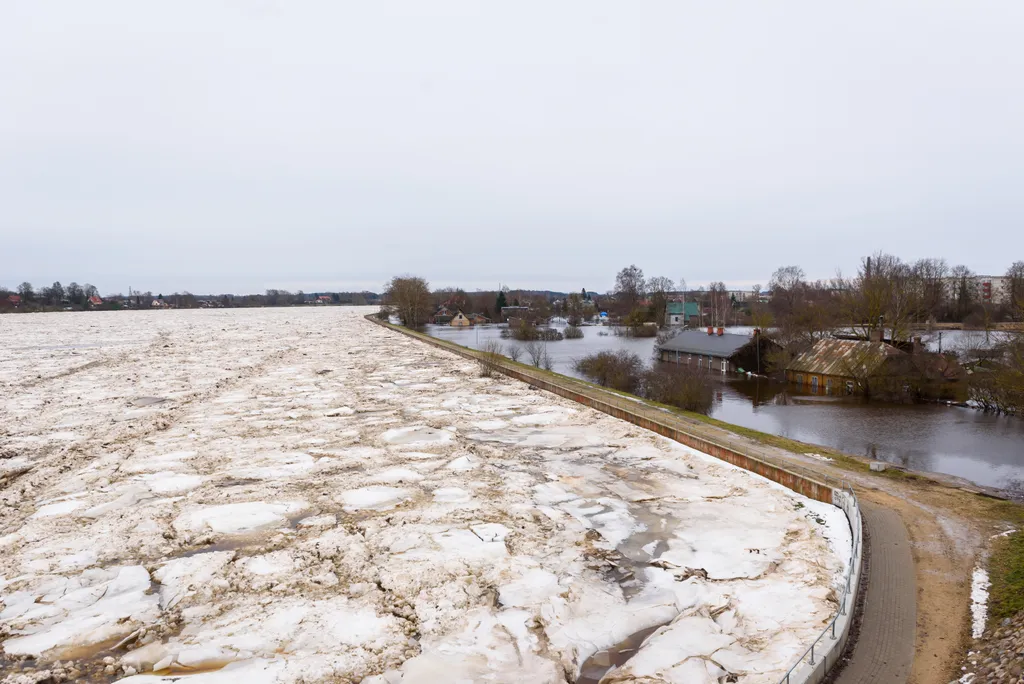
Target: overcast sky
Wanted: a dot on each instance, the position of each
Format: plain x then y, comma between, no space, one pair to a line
218,146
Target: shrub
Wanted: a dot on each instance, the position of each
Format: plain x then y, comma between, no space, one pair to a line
527,332
679,385
682,386
573,333
514,351
535,350
621,370
492,354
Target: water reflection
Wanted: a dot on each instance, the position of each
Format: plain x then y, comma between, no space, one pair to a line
984,448
959,441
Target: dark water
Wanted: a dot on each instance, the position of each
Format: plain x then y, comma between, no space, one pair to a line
958,441
981,447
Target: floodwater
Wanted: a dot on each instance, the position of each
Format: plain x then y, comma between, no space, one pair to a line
980,447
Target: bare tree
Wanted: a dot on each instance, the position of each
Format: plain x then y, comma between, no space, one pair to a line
1015,287
574,309
55,294
536,351
26,292
75,294
886,293
409,297
964,291
658,289
931,277
629,289
514,351
720,303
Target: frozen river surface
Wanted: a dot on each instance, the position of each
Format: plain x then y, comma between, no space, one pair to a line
284,495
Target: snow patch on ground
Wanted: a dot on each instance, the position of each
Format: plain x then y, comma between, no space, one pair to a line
979,601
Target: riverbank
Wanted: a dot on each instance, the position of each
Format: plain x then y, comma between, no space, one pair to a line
961,442
949,523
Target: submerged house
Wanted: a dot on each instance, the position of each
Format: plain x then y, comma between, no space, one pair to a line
460,320
681,313
711,350
442,316
836,366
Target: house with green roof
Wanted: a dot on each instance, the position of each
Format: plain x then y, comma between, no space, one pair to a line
680,313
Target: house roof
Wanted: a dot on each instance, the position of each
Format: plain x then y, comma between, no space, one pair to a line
687,308
95,300
699,342
842,357
14,299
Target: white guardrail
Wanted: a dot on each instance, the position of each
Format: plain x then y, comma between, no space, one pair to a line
823,653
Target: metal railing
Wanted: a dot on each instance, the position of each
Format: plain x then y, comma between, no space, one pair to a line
845,601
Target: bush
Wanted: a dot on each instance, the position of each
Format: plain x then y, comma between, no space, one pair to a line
492,354
682,386
679,385
527,332
514,351
573,333
535,350
638,331
621,370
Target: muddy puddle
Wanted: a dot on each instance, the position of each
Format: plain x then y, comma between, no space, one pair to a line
601,663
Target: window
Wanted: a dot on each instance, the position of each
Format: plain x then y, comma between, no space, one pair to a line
849,386
814,383
799,378
828,386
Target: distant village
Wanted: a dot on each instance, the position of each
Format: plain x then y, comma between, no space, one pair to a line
862,336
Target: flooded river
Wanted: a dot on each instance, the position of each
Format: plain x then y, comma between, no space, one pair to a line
958,441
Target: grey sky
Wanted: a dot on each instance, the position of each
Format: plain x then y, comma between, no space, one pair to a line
233,146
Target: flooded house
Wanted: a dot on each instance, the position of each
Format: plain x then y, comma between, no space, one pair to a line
442,316
681,313
460,320
878,369
837,366
713,349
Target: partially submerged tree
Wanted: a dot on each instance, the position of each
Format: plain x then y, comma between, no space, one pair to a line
409,298
574,309
629,289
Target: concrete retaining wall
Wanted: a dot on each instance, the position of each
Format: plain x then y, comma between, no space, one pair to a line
819,659
799,483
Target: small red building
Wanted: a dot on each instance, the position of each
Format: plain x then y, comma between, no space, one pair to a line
95,301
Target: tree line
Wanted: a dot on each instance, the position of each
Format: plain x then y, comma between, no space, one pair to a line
75,297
